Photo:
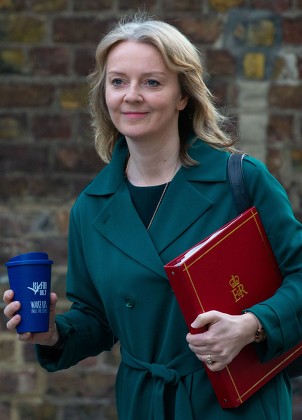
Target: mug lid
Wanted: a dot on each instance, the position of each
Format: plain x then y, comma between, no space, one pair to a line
28,258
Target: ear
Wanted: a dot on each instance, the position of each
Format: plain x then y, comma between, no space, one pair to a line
182,103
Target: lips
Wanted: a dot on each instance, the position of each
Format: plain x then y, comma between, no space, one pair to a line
134,114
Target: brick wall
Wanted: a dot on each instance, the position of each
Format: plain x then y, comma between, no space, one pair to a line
253,52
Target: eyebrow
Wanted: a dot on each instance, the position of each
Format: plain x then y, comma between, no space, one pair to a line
149,73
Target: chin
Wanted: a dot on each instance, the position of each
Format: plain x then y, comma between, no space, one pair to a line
137,135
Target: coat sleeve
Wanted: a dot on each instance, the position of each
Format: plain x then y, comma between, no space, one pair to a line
84,328
280,315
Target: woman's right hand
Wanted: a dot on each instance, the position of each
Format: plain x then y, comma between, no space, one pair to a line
48,338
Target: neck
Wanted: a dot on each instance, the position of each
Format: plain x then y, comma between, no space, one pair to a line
152,171
153,161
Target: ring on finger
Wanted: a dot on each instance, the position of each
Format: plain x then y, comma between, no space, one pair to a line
209,359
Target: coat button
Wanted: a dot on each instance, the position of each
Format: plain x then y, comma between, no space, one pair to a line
129,302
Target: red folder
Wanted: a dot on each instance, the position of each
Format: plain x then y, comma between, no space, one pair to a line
230,271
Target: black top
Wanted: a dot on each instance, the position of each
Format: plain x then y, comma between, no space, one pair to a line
145,200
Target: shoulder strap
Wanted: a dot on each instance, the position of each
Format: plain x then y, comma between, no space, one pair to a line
236,178
243,202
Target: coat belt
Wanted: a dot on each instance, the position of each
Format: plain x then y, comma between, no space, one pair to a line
169,374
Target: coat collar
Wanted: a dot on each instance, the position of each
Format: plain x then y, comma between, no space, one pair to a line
182,205
211,169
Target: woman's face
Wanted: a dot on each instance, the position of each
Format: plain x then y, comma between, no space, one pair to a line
142,95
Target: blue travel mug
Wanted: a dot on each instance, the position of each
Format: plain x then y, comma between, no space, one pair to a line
30,278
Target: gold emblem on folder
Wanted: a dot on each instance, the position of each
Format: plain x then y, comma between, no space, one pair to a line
238,290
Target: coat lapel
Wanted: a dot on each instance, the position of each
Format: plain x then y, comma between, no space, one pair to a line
186,200
119,223
182,205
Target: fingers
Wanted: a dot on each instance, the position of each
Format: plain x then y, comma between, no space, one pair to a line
10,312
13,322
205,319
206,346
53,303
14,319
8,296
214,365
224,337
11,309
53,299
25,337
214,362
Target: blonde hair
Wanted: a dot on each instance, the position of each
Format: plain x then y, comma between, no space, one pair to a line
199,116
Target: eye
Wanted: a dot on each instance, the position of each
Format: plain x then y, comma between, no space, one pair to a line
116,82
152,83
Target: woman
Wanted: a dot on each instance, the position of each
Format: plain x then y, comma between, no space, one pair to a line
164,189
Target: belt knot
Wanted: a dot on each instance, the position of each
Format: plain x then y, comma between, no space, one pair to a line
169,376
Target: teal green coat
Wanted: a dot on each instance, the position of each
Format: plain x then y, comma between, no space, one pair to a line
120,291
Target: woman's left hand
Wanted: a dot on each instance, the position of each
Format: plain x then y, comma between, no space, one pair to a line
223,339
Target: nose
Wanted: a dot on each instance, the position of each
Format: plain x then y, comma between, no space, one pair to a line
133,94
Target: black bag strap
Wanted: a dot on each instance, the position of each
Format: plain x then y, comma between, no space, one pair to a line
236,177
